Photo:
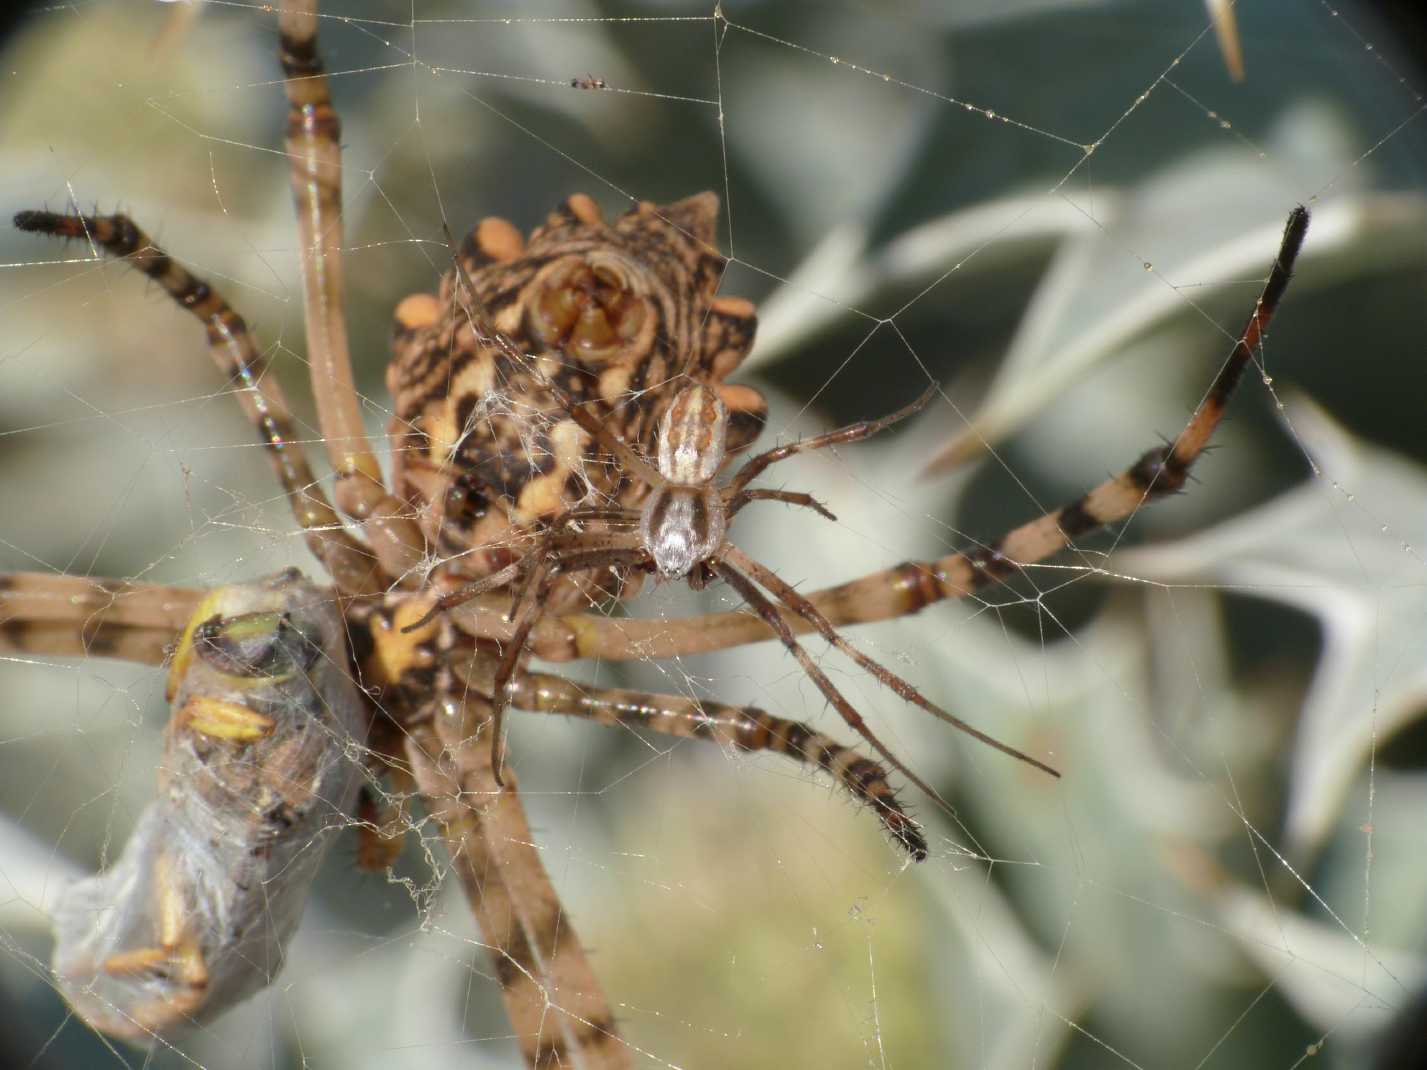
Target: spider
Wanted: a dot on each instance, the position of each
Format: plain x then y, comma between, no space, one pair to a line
682,534
527,394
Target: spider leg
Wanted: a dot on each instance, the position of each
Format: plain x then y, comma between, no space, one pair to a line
501,578
1160,472
914,585
539,581
232,348
556,1006
755,466
43,613
789,597
313,145
462,595
384,801
741,728
610,514
758,601
788,497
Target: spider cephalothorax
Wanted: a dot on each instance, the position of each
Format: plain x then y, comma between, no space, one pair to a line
614,314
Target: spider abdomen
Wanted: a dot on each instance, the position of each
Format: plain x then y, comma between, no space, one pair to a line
615,314
693,436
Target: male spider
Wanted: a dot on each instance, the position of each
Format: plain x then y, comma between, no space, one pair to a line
682,533
521,392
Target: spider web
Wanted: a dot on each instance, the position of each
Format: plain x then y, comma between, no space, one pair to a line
1062,212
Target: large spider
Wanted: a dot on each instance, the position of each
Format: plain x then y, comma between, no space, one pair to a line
528,394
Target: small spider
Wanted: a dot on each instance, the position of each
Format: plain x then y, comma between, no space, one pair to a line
681,532
589,81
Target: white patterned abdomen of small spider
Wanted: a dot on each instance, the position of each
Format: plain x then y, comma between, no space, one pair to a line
684,520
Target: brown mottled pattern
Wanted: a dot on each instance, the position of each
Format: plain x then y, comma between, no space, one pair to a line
747,415
481,444
727,337
58,614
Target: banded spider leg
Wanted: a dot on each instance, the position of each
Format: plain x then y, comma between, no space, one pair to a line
682,532
911,586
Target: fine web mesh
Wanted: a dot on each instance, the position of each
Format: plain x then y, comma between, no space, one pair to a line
1060,212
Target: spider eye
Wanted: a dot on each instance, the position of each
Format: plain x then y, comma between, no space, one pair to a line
254,646
590,309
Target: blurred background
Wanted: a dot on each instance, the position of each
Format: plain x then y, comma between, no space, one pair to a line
1060,211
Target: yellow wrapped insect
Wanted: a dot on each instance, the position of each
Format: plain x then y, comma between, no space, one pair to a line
261,767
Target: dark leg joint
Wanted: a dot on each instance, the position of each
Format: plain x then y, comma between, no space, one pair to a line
1075,519
988,563
1159,472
